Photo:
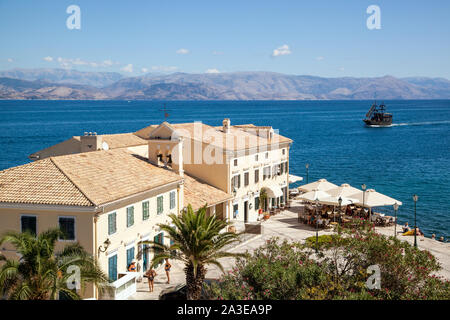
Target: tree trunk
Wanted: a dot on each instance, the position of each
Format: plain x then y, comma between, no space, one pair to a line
194,283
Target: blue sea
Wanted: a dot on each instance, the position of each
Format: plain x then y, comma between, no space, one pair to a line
411,157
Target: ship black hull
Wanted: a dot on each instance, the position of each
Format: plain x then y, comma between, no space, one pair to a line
371,123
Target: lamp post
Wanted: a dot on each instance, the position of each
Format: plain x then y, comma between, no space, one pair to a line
340,202
395,220
317,225
363,187
307,171
415,198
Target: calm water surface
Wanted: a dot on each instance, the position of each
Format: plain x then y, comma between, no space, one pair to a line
413,156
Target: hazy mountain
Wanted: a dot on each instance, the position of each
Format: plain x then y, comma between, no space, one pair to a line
224,86
66,76
23,89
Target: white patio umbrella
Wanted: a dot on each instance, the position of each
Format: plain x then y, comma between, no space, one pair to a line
344,191
321,184
373,198
294,178
314,195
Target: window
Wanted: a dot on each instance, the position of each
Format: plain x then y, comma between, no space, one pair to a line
280,169
159,205
246,178
257,176
172,200
235,162
67,226
236,181
266,172
284,152
145,210
267,155
256,157
256,203
130,256
28,224
112,268
235,210
130,216
112,224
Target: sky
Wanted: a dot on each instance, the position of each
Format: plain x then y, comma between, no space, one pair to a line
321,37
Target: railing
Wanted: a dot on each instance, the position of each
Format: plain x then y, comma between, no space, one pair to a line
122,288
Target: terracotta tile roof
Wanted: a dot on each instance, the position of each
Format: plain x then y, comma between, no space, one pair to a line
73,145
197,193
122,140
239,137
85,179
39,182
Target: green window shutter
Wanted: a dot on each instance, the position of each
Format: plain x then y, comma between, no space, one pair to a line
160,207
145,210
112,223
172,199
130,216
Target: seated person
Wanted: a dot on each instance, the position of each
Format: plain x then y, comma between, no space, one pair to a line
418,232
406,227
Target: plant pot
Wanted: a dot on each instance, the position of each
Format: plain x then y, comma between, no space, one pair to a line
232,229
266,216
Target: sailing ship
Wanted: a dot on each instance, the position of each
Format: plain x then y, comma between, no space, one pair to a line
377,117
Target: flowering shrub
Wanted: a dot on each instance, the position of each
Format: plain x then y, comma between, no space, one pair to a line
291,270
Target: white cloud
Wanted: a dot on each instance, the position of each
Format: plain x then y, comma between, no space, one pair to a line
212,71
144,70
10,59
68,63
128,68
48,58
164,68
320,58
281,51
182,51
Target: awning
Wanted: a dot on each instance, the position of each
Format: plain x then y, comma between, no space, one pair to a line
294,178
372,198
274,191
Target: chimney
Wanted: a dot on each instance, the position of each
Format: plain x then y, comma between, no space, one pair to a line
90,142
226,125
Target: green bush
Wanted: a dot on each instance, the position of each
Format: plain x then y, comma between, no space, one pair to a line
292,271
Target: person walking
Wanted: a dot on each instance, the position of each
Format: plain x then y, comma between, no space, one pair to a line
150,275
167,267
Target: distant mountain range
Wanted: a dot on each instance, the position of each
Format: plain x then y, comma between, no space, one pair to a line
71,84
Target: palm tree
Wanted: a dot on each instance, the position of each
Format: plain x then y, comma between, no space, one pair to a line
41,273
197,241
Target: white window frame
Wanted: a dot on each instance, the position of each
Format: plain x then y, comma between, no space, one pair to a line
74,228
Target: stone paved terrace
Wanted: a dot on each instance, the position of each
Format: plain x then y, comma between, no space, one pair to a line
284,226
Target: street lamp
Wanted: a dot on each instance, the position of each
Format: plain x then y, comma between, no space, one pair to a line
363,187
395,220
340,202
415,198
307,171
317,225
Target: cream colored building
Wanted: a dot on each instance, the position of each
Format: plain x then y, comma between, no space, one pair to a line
240,160
108,201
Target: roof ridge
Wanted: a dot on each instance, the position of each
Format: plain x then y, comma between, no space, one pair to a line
71,181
